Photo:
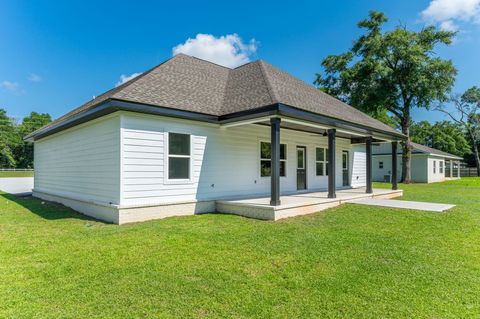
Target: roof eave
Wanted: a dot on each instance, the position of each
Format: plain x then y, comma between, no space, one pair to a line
113,105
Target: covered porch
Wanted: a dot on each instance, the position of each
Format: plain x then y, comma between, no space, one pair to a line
300,203
326,130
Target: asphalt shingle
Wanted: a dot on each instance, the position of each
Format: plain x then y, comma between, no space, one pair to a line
191,84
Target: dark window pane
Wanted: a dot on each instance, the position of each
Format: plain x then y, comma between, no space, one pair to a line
319,169
283,151
178,168
283,168
265,168
178,144
265,150
301,158
326,170
320,154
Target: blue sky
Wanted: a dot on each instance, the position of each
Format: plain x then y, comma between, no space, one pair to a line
56,55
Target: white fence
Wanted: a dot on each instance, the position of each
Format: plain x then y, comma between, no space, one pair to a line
16,169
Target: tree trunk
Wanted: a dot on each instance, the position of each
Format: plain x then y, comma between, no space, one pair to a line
475,151
406,147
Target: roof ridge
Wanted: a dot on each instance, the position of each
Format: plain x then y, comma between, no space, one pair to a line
270,90
138,77
102,97
203,60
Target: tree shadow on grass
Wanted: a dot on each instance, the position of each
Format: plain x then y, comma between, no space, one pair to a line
45,209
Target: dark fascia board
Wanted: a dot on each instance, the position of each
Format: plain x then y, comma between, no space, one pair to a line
290,111
420,152
114,105
398,153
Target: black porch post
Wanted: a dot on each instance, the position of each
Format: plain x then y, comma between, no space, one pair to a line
369,164
275,161
331,163
394,165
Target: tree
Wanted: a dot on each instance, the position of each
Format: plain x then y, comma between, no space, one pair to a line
466,113
445,136
8,140
392,72
24,150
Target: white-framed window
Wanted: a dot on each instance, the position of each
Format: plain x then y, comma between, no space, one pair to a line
266,159
380,165
440,167
321,161
179,157
434,167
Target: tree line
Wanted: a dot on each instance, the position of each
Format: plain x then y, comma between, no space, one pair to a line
387,74
14,151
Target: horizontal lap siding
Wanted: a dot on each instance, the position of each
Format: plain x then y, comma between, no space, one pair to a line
225,160
81,163
359,166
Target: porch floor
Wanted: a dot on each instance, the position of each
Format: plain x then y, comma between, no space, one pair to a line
299,203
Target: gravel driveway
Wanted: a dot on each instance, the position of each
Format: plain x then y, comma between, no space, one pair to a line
16,185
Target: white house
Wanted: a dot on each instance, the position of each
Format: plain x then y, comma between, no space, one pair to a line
188,133
428,165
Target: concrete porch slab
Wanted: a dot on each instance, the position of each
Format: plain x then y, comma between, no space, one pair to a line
297,204
429,207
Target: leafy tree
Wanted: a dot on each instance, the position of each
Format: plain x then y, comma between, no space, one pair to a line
466,113
8,140
393,71
24,150
445,136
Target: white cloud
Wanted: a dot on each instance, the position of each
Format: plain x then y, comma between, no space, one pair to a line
34,77
447,13
10,86
448,25
227,50
125,78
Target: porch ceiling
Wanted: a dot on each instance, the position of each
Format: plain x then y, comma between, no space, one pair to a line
355,138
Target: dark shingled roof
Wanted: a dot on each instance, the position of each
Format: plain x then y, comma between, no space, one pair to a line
191,84
433,151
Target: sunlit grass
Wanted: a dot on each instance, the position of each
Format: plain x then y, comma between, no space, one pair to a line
347,262
16,174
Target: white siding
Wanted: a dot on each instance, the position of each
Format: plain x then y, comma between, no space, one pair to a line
225,160
81,163
358,166
437,176
418,166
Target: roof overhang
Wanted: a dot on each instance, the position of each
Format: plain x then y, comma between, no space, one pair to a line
305,118
289,113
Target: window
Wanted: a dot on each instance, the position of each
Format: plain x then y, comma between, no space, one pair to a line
178,156
266,159
380,164
440,167
321,161
434,167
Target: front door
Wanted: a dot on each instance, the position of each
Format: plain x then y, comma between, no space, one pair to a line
301,168
345,171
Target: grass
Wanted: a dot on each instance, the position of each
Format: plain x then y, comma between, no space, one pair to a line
346,262
16,174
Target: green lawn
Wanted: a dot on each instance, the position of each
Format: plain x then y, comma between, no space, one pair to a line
16,174
347,262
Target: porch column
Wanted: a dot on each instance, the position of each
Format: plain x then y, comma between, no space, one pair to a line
394,165
458,169
275,161
331,163
451,168
368,146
